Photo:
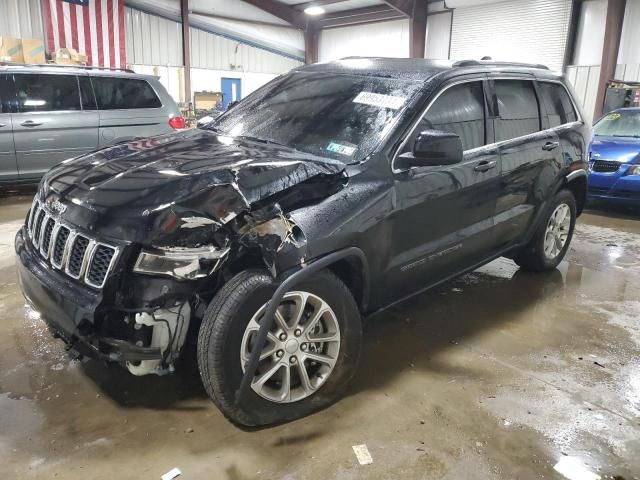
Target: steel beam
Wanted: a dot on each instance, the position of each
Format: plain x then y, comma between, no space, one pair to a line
612,33
186,52
418,29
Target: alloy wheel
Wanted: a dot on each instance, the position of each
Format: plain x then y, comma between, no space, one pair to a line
557,231
301,349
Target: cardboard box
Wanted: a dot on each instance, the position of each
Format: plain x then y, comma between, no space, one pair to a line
69,56
33,50
11,50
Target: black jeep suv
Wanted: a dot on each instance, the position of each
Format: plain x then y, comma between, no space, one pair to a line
331,193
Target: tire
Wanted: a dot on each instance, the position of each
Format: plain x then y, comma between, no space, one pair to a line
220,342
533,257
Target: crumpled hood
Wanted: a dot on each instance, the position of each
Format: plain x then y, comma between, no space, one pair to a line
133,186
619,149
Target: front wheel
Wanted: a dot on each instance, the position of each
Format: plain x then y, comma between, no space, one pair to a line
551,241
310,355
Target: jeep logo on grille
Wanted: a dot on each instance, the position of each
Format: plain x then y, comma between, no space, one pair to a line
57,206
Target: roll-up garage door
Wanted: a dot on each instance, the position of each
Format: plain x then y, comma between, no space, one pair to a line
532,31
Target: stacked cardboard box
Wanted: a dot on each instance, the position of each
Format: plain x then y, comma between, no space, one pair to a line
21,50
69,56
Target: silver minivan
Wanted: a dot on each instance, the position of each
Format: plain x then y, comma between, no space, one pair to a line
50,113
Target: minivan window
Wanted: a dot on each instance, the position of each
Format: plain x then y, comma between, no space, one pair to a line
47,93
560,109
459,110
518,109
86,94
117,93
339,116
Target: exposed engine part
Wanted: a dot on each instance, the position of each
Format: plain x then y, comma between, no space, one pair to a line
170,328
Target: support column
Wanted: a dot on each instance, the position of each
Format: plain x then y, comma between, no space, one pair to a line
186,55
418,29
311,42
612,33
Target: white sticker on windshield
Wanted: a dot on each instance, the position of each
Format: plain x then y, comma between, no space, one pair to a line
379,100
341,149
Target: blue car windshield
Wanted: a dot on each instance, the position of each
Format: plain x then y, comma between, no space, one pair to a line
332,115
619,124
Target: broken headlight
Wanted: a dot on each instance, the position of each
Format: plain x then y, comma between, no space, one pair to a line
179,262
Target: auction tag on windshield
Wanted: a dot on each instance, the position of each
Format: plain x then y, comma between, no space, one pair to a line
341,149
379,100
612,116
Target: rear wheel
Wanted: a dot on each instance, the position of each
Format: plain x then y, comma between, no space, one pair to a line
310,355
551,241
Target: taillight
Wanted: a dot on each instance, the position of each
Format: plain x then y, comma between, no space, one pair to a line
177,123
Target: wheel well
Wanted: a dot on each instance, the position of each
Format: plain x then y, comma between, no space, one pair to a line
350,271
578,187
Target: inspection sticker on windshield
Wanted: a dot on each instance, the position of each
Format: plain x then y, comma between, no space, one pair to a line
341,149
379,100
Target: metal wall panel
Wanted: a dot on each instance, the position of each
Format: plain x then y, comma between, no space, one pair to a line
153,40
518,30
21,18
584,79
216,52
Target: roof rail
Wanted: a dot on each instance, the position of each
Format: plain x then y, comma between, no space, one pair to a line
57,65
478,63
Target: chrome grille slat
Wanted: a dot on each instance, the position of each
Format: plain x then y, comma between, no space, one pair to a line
77,255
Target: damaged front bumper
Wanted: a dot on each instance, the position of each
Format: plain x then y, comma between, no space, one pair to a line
69,310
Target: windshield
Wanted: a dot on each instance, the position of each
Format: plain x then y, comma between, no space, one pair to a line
343,117
619,124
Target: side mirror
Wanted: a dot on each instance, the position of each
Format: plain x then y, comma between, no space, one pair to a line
431,148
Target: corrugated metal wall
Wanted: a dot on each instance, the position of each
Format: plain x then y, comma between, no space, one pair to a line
219,53
152,40
584,79
520,30
21,18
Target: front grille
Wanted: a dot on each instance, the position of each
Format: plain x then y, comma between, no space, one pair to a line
605,166
76,254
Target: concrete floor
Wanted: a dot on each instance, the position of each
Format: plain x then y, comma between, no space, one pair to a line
497,375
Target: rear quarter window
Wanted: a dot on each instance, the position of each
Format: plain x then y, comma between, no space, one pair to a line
559,107
116,93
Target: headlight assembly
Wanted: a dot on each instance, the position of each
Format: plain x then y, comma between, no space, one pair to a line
634,170
179,262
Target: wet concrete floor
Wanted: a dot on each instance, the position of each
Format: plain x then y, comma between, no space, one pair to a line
496,375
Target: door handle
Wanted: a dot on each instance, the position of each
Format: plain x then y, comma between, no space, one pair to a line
550,145
483,166
3,125
30,123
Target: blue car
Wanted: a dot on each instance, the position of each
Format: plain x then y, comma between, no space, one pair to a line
614,157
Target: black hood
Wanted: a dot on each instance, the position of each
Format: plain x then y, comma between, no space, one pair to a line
126,191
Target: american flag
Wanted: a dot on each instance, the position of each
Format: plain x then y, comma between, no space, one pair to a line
94,28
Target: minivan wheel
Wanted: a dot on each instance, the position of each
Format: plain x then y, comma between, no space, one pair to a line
310,355
551,241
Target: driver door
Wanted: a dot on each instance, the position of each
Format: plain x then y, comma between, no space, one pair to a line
445,214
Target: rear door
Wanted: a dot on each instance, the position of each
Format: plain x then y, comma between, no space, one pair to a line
129,108
530,156
8,165
50,125
444,218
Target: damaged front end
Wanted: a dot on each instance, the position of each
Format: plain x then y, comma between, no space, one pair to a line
181,230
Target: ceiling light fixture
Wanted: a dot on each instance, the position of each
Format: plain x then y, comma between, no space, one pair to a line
314,10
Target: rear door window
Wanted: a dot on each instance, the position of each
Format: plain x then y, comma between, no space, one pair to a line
47,93
559,107
519,113
117,93
460,110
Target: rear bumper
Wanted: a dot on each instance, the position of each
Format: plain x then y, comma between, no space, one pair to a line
69,310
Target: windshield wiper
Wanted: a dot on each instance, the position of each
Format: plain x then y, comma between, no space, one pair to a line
263,140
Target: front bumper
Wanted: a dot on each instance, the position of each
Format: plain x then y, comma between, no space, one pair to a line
614,187
71,310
